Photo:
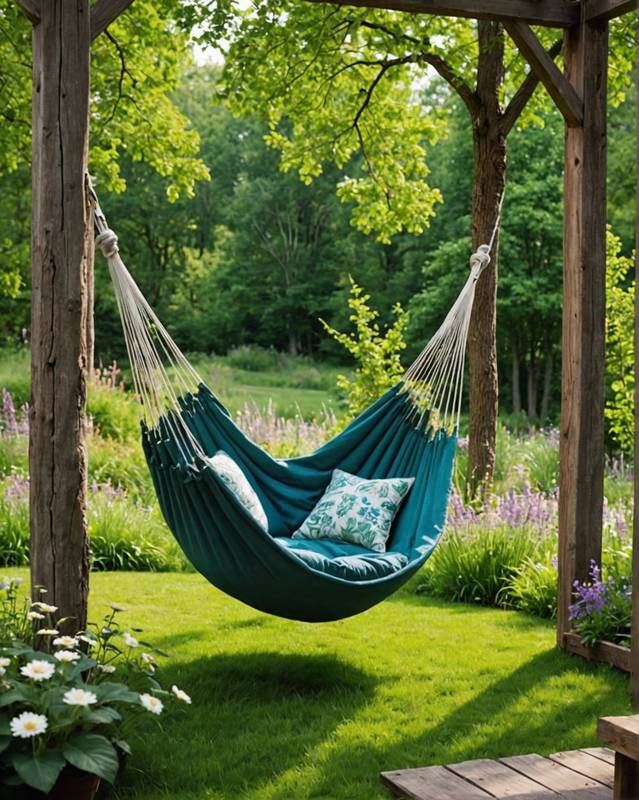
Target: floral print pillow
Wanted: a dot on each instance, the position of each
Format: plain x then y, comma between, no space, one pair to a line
235,480
356,510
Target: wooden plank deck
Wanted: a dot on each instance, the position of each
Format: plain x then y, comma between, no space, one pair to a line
576,775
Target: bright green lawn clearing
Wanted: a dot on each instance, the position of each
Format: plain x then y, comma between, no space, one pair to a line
291,711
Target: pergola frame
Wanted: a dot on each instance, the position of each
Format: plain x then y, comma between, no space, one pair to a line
62,277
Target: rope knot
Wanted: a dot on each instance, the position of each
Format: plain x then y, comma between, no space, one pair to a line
107,241
480,258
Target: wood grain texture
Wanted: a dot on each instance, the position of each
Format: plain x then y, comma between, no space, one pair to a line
498,780
551,13
626,778
31,10
634,638
431,783
60,257
621,734
604,753
604,10
556,777
557,86
586,764
582,430
605,652
104,12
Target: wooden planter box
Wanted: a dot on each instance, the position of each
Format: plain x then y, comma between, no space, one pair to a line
606,652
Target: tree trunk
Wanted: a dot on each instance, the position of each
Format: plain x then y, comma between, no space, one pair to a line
60,262
545,398
488,185
516,389
532,385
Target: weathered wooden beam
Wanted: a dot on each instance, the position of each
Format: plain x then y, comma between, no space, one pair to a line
604,10
584,313
104,12
603,652
549,13
634,633
60,257
556,83
31,9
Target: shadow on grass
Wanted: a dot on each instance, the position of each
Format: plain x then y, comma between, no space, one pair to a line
253,717
496,722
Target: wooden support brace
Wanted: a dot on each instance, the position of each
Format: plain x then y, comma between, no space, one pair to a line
104,12
559,88
31,9
584,318
604,10
551,13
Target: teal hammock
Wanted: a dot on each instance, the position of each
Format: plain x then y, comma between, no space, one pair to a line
409,432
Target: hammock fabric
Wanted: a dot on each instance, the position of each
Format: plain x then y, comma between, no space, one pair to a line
410,431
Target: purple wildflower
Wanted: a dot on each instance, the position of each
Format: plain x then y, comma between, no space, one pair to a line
9,416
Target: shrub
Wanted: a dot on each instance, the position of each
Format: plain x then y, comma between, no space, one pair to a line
533,587
128,536
376,354
542,461
121,464
115,414
478,568
253,358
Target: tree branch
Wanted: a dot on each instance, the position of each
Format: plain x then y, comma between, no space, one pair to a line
31,10
524,93
470,99
103,13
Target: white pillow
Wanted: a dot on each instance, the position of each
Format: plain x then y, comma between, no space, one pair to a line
235,480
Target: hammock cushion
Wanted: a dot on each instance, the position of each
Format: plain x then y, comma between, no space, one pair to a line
356,510
236,481
348,561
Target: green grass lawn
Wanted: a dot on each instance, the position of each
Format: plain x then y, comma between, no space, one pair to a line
290,710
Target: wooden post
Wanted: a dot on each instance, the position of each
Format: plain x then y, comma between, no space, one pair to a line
582,430
60,259
634,639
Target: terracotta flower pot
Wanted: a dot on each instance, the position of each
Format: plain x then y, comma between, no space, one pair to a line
73,784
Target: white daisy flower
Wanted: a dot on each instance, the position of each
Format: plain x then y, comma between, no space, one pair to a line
28,724
66,656
87,639
34,615
79,697
44,607
38,670
4,584
66,641
117,607
151,703
47,632
4,661
17,581
108,668
181,695
129,640
149,661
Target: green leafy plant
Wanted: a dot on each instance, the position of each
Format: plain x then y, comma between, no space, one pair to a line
60,704
376,353
478,569
532,588
620,344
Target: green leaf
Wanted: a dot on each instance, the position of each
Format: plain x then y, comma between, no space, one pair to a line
123,745
103,716
5,741
41,771
92,753
115,693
